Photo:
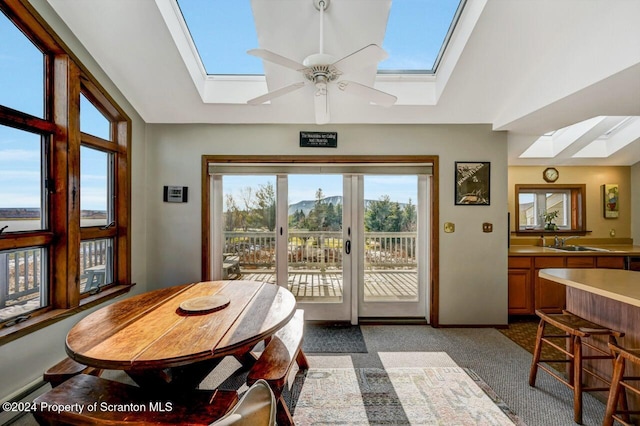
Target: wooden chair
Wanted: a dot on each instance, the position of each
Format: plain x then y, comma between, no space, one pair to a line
276,361
90,400
66,369
257,407
575,330
620,384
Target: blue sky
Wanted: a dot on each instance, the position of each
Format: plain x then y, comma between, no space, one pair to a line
21,66
223,30
399,188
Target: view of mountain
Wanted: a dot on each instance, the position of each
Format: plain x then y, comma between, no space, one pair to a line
307,205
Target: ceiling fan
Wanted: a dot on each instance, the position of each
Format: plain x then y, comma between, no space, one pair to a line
321,69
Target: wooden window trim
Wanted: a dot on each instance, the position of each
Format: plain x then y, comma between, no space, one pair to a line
578,213
434,250
65,79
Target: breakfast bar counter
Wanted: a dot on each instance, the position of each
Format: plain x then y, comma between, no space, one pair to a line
608,297
614,284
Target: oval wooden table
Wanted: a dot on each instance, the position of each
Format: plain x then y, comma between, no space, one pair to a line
159,344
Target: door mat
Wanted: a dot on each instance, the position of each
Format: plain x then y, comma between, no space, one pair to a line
333,338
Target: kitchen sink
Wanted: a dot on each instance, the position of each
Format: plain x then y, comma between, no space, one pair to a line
578,248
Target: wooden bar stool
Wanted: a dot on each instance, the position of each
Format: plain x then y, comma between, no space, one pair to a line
619,385
575,330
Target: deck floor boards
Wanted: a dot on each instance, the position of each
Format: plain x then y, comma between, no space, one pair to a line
314,285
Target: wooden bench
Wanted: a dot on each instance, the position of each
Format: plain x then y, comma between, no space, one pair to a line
276,361
66,369
86,400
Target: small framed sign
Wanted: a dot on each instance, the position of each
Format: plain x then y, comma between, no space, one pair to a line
318,139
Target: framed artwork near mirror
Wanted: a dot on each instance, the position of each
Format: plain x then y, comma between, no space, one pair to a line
472,183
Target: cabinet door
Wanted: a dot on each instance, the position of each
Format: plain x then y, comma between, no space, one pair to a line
520,292
611,262
549,296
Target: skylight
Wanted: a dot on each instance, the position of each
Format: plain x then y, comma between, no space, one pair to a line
416,35
223,31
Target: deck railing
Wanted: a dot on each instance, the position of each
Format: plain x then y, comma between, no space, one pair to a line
20,274
21,270
256,249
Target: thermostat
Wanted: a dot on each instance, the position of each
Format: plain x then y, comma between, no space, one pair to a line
175,194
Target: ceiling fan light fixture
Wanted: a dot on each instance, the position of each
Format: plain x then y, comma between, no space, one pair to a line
321,69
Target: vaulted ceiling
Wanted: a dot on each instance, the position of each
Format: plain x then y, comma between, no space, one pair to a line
528,67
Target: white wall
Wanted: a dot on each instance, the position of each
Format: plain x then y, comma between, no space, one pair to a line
473,264
23,361
635,203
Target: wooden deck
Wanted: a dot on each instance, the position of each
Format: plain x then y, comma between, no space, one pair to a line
315,286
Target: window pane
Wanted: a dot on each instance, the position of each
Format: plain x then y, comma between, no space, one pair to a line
92,121
21,71
21,282
249,235
94,187
557,201
390,236
21,204
527,210
96,264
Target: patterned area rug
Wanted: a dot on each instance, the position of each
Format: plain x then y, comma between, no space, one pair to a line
333,338
399,396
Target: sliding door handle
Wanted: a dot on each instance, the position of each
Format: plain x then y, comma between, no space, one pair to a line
347,246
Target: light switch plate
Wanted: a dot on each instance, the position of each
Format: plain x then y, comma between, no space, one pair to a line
449,227
487,227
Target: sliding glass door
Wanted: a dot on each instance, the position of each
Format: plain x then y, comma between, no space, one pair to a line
347,245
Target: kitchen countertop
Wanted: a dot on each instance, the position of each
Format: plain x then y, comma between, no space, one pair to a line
604,250
615,284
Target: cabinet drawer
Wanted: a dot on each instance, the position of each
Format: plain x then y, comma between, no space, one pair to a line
611,262
519,262
549,262
581,262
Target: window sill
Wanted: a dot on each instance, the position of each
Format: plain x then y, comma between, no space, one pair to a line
47,318
526,232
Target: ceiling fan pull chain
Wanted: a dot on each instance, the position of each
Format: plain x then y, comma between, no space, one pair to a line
322,7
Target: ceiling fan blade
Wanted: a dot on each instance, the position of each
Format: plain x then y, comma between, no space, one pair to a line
321,104
376,96
268,55
369,55
276,93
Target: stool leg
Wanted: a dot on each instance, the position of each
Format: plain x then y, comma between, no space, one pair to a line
577,379
536,354
614,391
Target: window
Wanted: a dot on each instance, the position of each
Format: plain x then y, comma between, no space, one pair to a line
550,208
64,181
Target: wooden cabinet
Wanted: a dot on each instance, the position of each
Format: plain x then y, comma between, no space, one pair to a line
549,296
520,286
610,262
527,292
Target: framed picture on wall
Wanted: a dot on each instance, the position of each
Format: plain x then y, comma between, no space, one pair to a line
610,201
473,183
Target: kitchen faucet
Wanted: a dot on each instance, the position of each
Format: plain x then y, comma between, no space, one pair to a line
559,242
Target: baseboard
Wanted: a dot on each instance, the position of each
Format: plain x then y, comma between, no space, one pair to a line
26,394
392,321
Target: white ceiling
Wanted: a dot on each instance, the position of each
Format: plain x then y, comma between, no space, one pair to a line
527,67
